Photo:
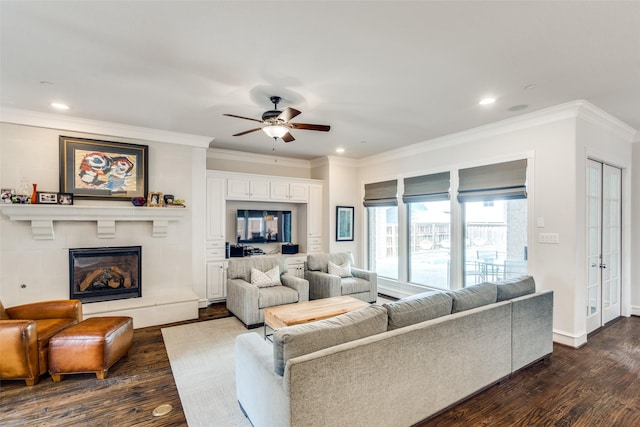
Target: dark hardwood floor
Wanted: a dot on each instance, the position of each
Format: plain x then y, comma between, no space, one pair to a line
597,385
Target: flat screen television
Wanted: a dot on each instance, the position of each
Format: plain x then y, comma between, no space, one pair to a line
263,226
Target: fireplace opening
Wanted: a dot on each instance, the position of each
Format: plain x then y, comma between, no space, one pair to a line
104,274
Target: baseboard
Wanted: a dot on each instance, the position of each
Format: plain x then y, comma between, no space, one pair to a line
635,310
570,340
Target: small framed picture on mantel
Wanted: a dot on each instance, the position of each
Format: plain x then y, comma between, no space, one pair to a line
344,223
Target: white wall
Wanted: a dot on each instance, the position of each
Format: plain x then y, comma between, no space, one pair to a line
634,236
42,265
259,164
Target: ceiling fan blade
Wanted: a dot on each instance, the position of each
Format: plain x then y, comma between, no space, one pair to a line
287,137
247,131
240,117
307,126
288,114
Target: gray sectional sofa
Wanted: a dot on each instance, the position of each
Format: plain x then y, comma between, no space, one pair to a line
393,364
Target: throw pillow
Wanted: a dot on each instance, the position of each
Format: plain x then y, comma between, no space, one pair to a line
266,279
343,270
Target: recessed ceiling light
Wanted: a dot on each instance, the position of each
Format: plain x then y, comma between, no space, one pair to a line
59,106
340,150
487,101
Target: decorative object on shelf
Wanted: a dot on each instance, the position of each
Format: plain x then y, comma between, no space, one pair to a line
154,200
95,169
34,195
6,195
168,199
47,198
175,203
138,201
344,223
65,198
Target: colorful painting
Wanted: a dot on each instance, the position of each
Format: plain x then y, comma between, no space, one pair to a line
344,223
102,169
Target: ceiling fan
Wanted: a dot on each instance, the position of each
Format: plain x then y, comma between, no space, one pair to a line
278,124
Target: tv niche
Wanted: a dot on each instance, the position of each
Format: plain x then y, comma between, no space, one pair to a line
263,226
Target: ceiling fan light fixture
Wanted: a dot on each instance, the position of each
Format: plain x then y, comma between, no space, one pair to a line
275,131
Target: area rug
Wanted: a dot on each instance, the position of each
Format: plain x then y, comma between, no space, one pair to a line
202,360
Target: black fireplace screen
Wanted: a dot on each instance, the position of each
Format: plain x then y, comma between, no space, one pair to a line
103,274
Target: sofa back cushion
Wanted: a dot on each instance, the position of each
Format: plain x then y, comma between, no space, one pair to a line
474,296
514,288
297,340
320,262
240,268
418,308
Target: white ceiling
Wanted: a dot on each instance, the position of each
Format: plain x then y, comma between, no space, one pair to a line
383,74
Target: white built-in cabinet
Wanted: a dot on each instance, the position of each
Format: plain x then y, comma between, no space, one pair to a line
289,192
296,265
223,186
215,253
248,189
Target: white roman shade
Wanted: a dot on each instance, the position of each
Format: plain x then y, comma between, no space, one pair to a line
498,181
381,194
426,188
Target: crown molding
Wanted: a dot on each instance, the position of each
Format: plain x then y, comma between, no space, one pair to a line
592,114
556,113
97,127
242,156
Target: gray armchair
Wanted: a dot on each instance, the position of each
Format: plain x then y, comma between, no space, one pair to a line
247,302
362,285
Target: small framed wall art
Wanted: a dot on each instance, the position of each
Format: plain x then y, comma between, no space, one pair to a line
65,198
95,169
344,223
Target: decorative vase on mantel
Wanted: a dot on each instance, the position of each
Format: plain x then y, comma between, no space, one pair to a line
34,195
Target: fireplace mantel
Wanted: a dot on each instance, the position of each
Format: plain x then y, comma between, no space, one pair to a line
42,217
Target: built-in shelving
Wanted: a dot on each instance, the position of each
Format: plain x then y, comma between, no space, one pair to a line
42,217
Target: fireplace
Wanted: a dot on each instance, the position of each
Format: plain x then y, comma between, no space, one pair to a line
104,274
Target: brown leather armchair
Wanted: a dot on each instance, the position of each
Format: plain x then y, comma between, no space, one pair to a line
25,331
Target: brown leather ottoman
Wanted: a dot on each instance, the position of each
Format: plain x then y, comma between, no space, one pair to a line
93,345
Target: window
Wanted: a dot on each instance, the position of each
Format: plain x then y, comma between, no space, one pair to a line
495,221
429,243
381,201
429,239
495,240
383,240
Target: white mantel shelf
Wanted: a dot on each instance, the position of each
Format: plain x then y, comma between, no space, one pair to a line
42,217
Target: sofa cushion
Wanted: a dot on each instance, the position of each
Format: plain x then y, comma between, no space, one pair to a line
319,262
240,268
354,285
277,295
266,279
343,270
297,340
514,288
473,296
418,308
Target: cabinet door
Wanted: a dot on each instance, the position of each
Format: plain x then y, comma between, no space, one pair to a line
238,189
314,211
216,280
298,192
279,191
215,208
259,190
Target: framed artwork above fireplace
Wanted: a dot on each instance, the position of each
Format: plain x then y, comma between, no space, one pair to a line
94,169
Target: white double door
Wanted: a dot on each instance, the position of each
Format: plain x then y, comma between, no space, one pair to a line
604,219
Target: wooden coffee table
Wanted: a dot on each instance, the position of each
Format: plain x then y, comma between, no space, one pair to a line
309,311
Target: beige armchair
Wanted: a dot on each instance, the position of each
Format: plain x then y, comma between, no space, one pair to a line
25,331
247,301
361,284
